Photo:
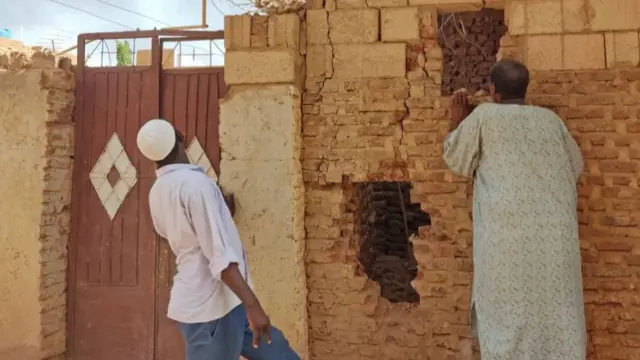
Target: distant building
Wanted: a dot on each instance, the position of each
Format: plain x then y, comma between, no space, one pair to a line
6,33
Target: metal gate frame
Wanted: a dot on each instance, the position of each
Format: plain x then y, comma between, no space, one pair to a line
158,38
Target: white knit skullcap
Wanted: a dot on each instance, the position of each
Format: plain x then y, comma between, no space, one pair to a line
156,139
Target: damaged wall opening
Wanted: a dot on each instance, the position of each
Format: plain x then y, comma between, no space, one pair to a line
385,220
469,42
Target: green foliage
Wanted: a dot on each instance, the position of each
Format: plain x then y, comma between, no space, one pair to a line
123,53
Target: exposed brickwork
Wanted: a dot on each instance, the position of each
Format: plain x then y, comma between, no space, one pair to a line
601,108
469,42
57,80
384,129
55,221
365,129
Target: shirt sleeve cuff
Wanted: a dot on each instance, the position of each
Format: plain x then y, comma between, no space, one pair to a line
220,263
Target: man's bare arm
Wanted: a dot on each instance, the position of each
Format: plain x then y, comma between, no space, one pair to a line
232,277
258,319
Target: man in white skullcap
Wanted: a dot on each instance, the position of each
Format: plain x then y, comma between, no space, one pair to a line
218,314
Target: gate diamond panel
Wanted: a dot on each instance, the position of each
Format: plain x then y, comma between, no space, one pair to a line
197,156
113,156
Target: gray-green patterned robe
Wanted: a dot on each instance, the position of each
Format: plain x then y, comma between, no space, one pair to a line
527,283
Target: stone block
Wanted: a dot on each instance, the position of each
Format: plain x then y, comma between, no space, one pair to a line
317,27
451,5
319,61
387,3
400,24
369,60
284,31
575,15
251,117
515,17
262,66
584,51
315,4
622,49
354,26
350,4
608,15
544,17
237,32
543,52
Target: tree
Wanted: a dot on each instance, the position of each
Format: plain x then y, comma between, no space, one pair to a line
123,53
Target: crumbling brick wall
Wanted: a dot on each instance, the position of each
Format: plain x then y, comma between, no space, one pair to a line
373,111
37,99
55,226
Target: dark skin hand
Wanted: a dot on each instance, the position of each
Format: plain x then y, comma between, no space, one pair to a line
258,320
460,108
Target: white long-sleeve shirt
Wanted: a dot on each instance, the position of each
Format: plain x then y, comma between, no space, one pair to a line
188,209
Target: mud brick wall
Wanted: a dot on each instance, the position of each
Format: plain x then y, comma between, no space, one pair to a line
602,110
469,42
55,226
373,111
36,112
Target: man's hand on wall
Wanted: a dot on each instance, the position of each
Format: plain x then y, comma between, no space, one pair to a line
231,203
230,200
460,107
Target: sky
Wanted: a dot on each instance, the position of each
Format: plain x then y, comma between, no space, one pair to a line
37,21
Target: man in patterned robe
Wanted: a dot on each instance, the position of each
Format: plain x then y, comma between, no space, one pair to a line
527,301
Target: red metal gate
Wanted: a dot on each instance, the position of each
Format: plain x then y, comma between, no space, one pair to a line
119,270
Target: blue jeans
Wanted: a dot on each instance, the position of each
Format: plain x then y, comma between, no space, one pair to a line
229,337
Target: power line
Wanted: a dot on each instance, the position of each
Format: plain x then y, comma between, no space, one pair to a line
223,14
217,8
133,12
156,20
119,23
92,14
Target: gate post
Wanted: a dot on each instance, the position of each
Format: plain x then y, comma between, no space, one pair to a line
260,138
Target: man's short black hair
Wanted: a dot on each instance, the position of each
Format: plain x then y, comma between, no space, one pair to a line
510,78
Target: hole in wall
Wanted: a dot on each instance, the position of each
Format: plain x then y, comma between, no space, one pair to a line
385,219
469,43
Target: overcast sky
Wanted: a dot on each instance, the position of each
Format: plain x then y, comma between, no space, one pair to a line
37,20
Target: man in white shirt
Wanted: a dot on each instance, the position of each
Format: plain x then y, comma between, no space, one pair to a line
219,315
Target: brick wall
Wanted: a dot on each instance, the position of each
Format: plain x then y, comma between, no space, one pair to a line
375,113
372,110
55,222
37,99
601,109
367,117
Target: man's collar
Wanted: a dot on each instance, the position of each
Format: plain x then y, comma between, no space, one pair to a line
173,167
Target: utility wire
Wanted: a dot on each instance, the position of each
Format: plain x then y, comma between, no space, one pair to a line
108,3
113,21
92,14
215,6
133,12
